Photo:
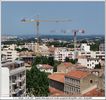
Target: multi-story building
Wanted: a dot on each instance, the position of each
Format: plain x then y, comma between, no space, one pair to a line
13,79
44,50
61,53
79,82
88,62
9,52
85,47
93,54
45,67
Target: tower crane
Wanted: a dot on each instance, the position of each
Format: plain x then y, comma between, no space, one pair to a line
75,32
37,22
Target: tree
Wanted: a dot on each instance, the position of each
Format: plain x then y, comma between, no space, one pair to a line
73,61
18,49
98,66
37,83
67,59
24,49
51,61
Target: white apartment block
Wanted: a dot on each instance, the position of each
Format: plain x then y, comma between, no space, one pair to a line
30,46
85,51
88,62
61,53
84,47
9,52
93,54
13,79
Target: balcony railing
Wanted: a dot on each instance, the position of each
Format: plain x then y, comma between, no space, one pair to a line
17,70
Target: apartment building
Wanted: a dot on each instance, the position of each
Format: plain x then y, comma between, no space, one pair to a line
14,78
88,62
61,53
85,51
84,47
9,52
79,82
45,67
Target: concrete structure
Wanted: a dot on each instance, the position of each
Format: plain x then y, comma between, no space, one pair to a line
44,50
85,48
45,67
88,62
61,53
4,82
9,52
93,54
79,82
13,79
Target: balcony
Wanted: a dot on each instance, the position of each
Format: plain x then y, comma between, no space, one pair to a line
17,70
15,91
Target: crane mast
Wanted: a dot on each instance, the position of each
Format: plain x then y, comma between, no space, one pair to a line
37,22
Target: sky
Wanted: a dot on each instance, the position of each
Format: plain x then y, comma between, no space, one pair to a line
89,16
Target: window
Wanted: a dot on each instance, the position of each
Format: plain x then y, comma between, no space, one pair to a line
91,81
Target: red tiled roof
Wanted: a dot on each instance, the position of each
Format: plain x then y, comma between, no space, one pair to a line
57,77
77,74
94,93
55,92
65,64
52,49
46,66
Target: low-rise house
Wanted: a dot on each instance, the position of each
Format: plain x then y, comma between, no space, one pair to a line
45,67
65,67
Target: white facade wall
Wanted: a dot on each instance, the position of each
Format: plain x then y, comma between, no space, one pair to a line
61,53
4,82
10,54
89,63
14,80
93,54
47,70
85,47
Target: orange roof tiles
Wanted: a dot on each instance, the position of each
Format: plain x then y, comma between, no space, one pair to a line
77,74
66,64
46,66
94,92
57,77
55,92
52,49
